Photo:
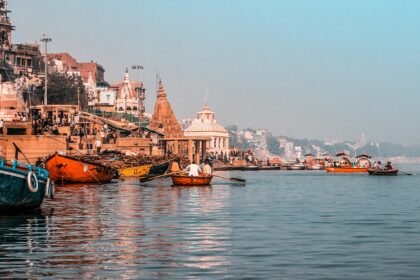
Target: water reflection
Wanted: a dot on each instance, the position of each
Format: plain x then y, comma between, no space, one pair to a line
118,227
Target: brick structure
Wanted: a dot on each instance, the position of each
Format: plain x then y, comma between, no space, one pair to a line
93,68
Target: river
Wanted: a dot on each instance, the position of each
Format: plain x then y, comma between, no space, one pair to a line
280,225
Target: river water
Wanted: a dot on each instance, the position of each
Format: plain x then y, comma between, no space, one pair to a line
281,225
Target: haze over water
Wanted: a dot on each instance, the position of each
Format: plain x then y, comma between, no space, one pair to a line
281,225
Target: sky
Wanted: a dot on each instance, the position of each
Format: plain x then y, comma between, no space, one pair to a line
328,70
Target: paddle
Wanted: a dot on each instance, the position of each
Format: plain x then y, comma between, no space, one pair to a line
147,179
405,173
231,179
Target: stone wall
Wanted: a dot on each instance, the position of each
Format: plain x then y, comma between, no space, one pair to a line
32,146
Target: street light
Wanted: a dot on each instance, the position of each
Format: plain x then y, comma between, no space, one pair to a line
137,67
46,40
140,95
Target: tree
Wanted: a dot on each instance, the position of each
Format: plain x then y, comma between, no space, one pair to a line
64,89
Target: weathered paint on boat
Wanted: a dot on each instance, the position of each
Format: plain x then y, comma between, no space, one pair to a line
383,172
136,171
346,169
183,180
72,170
14,190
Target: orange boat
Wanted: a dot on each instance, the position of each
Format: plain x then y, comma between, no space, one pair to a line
346,169
63,168
184,180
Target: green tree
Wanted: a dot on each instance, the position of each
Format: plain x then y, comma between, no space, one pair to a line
63,89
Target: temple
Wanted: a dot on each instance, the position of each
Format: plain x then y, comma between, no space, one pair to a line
206,126
163,118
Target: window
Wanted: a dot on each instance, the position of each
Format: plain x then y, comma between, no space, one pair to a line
18,61
29,62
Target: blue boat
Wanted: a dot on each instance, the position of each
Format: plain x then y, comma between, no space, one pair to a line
23,186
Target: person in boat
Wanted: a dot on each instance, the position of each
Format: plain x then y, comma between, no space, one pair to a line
379,165
193,169
176,166
207,168
388,166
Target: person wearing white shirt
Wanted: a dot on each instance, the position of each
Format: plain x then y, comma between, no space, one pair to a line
193,169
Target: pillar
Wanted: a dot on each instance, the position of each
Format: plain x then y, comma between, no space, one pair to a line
190,149
176,147
203,148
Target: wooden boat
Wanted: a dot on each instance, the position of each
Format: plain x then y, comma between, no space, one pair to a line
136,171
158,169
346,169
250,168
383,172
70,169
184,180
296,166
315,167
270,167
23,186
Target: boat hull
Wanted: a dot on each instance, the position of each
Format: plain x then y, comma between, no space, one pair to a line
71,170
158,169
346,169
381,172
136,171
180,180
14,191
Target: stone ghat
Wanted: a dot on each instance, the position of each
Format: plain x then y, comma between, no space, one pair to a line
41,146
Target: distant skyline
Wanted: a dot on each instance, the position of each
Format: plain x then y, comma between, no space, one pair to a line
328,70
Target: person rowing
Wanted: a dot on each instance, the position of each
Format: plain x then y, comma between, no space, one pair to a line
193,169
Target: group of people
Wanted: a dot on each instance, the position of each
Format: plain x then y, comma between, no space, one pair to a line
193,169
388,166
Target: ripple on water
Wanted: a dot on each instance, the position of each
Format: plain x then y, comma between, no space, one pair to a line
283,225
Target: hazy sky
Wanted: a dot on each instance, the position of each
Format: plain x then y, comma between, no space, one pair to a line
309,69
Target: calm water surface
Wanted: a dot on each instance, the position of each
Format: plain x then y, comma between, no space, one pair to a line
284,225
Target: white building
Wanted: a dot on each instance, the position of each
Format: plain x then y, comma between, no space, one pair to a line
206,126
128,95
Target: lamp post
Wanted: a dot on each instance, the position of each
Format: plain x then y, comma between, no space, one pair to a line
137,67
140,95
46,40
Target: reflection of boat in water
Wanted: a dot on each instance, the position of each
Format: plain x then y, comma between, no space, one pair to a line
74,170
346,169
184,180
23,186
383,172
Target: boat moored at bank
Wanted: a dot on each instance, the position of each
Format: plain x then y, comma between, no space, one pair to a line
70,169
23,186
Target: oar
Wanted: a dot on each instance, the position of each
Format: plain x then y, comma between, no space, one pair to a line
146,179
405,173
232,179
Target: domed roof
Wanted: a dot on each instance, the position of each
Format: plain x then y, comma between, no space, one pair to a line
205,122
199,126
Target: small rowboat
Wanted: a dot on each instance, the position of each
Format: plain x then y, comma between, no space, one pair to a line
383,172
346,169
184,180
23,186
70,169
